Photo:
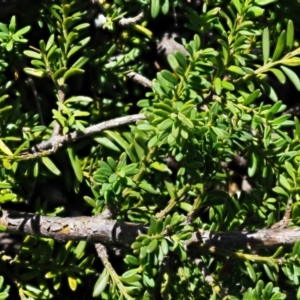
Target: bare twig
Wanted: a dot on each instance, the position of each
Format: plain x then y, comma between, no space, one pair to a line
58,141
130,21
140,79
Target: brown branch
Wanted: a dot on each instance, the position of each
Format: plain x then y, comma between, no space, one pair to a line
94,229
97,229
56,142
261,238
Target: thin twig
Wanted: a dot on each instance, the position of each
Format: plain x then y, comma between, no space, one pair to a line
56,142
102,253
209,279
61,98
287,216
130,21
140,79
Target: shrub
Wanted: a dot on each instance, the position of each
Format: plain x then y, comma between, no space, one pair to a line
188,183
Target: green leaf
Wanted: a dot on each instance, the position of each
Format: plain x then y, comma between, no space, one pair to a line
291,171
165,125
152,246
78,46
253,165
104,141
80,62
237,5
255,11
253,96
12,24
9,46
160,167
118,138
169,76
72,72
75,162
36,72
227,85
165,6
101,283
266,44
72,282
33,54
237,70
173,62
293,62
279,46
185,121
283,181
292,76
144,185
4,29
5,149
218,85
222,134
251,271
197,42
50,165
264,2
181,59
165,247
279,74
49,42
90,201
155,8
290,35
78,99
152,227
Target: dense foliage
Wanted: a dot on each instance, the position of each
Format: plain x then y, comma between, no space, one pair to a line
230,95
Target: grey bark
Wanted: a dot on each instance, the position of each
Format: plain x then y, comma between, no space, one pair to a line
96,229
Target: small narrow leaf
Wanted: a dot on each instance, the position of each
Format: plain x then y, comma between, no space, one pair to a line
290,35
279,74
237,5
253,96
5,149
279,46
101,283
33,54
292,76
253,165
72,283
218,85
293,62
36,72
237,70
283,181
155,7
266,44
50,165
165,6
75,162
